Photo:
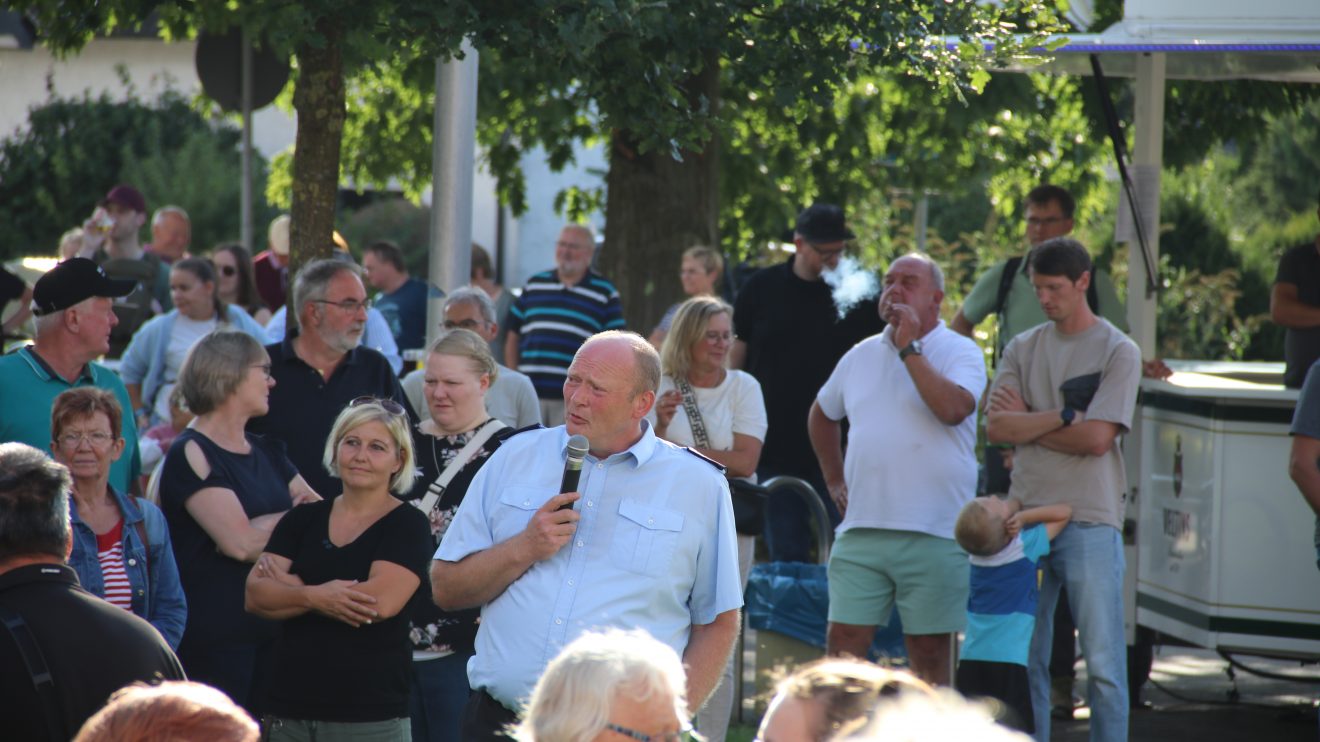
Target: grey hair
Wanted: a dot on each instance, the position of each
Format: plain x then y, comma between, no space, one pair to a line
936,273
164,211
313,281
34,509
473,295
398,426
586,229
645,357
215,367
574,697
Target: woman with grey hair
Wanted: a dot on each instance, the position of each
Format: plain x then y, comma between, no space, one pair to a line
342,574
223,490
608,686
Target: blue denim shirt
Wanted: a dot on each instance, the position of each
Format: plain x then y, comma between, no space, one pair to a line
157,597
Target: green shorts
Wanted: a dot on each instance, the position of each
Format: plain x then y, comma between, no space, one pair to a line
872,569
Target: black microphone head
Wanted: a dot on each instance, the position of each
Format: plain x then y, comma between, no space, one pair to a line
578,446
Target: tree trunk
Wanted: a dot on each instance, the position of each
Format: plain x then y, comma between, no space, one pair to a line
318,99
657,207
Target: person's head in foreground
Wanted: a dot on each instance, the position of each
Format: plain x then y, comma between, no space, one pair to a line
981,528
169,712
938,716
609,686
830,697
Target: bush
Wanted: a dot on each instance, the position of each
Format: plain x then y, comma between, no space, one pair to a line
75,149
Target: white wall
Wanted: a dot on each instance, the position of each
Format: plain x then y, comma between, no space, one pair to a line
152,66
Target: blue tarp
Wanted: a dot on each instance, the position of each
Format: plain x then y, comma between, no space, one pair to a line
792,598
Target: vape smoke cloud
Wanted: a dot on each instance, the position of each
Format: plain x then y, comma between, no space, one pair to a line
850,283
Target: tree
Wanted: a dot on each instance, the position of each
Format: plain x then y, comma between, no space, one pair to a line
75,149
647,79
327,39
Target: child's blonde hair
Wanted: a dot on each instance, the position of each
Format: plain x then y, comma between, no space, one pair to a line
978,531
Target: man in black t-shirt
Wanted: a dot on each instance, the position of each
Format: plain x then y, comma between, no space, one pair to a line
1295,305
790,337
63,651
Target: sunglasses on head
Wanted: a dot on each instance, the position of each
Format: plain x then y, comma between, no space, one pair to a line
389,405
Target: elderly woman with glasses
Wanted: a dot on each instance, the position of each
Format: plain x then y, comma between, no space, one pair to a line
609,686
121,546
341,574
223,490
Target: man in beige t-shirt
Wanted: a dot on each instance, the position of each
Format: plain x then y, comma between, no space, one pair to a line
1064,393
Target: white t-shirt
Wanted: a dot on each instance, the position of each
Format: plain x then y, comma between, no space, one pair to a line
183,336
735,406
905,469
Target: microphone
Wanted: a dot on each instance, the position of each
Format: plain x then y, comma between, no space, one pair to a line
577,452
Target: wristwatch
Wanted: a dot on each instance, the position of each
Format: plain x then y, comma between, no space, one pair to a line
913,349
1067,414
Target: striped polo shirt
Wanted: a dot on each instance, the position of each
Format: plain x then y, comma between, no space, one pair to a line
553,320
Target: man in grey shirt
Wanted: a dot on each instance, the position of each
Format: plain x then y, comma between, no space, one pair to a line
511,398
1064,393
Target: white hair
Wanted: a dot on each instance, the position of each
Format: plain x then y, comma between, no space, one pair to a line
573,699
165,211
936,273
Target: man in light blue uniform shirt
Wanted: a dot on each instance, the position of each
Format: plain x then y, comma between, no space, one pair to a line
648,542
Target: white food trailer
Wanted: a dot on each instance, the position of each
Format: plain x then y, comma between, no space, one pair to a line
1220,550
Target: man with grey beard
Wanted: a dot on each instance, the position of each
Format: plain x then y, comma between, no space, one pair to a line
319,368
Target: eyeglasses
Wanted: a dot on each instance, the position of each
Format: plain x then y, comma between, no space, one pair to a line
1041,221
97,439
228,270
827,254
641,737
389,405
348,305
467,324
265,367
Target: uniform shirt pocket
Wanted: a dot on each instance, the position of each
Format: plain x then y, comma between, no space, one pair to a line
516,507
645,537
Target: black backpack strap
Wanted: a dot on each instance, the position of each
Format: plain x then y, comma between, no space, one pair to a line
42,681
1006,284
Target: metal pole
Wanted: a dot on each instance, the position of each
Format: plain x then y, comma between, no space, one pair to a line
245,192
922,216
454,159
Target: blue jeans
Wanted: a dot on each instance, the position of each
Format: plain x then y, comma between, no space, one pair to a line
1088,560
439,695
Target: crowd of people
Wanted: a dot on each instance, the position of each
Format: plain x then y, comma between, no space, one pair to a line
346,553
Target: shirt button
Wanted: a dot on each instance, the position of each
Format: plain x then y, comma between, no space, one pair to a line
570,583
559,621
579,544
527,503
600,466
651,521
590,503
132,562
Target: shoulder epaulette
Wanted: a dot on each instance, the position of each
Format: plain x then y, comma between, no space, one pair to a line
705,458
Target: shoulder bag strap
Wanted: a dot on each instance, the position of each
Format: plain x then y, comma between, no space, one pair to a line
474,444
693,414
42,681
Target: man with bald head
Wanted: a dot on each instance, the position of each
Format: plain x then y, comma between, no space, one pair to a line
557,311
910,396
646,542
171,233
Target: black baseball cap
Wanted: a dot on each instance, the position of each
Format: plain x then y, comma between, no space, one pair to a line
822,223
73,281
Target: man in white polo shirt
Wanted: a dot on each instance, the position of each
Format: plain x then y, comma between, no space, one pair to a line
910,396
